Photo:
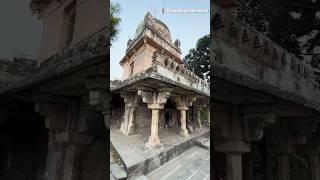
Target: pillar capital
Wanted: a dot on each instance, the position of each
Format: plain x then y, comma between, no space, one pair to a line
55,115
182,108
153,97
156,106
184,101
232,146
130,99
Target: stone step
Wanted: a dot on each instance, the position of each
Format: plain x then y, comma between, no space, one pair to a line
143,177
192,164
118,172
140,160
203,142
112,177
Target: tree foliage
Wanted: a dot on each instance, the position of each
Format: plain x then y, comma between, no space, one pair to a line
197,60
293,24
115,20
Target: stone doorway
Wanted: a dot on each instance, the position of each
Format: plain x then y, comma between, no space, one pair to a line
170,115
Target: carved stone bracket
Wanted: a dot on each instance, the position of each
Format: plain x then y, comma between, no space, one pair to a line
154,99
56,115
99,97
184,101
255,123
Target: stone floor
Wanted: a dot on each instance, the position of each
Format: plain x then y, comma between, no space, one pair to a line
193,164
135,154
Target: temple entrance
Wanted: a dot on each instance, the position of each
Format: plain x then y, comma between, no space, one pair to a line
170,115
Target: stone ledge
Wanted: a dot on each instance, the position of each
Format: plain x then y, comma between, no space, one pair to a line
203,142
118,172
226,74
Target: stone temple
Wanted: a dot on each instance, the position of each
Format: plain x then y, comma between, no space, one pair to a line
156,108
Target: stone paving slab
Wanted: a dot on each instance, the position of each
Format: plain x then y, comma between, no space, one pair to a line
192,164
118,172
137,158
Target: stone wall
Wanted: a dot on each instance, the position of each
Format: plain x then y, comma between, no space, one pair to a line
143,116
91,17
17,69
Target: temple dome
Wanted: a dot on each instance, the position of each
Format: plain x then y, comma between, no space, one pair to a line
156,24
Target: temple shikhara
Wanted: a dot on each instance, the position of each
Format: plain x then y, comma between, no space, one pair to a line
159,109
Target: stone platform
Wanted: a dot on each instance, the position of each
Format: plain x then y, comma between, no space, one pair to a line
193,164
138,159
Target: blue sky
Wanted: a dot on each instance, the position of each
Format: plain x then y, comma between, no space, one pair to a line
20,31
187,27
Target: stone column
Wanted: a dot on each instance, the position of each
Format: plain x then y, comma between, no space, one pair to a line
314,162
155,100
234,166
208,114
154,141
183,131
128,124
283,167
234,149
199,118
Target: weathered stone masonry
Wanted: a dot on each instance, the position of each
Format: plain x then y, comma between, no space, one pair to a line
266,103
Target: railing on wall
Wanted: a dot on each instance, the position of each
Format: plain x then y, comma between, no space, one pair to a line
257,46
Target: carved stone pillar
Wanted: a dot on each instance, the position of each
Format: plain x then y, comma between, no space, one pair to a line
128,124
199,117
155,100
208,114
234,151
283,167
183,130
234,166
63,144
314,162
182,105
154,140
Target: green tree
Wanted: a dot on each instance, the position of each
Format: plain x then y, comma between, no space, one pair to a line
293,24
115,20
197,60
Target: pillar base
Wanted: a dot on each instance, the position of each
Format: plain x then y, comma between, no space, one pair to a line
184,133
154,142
